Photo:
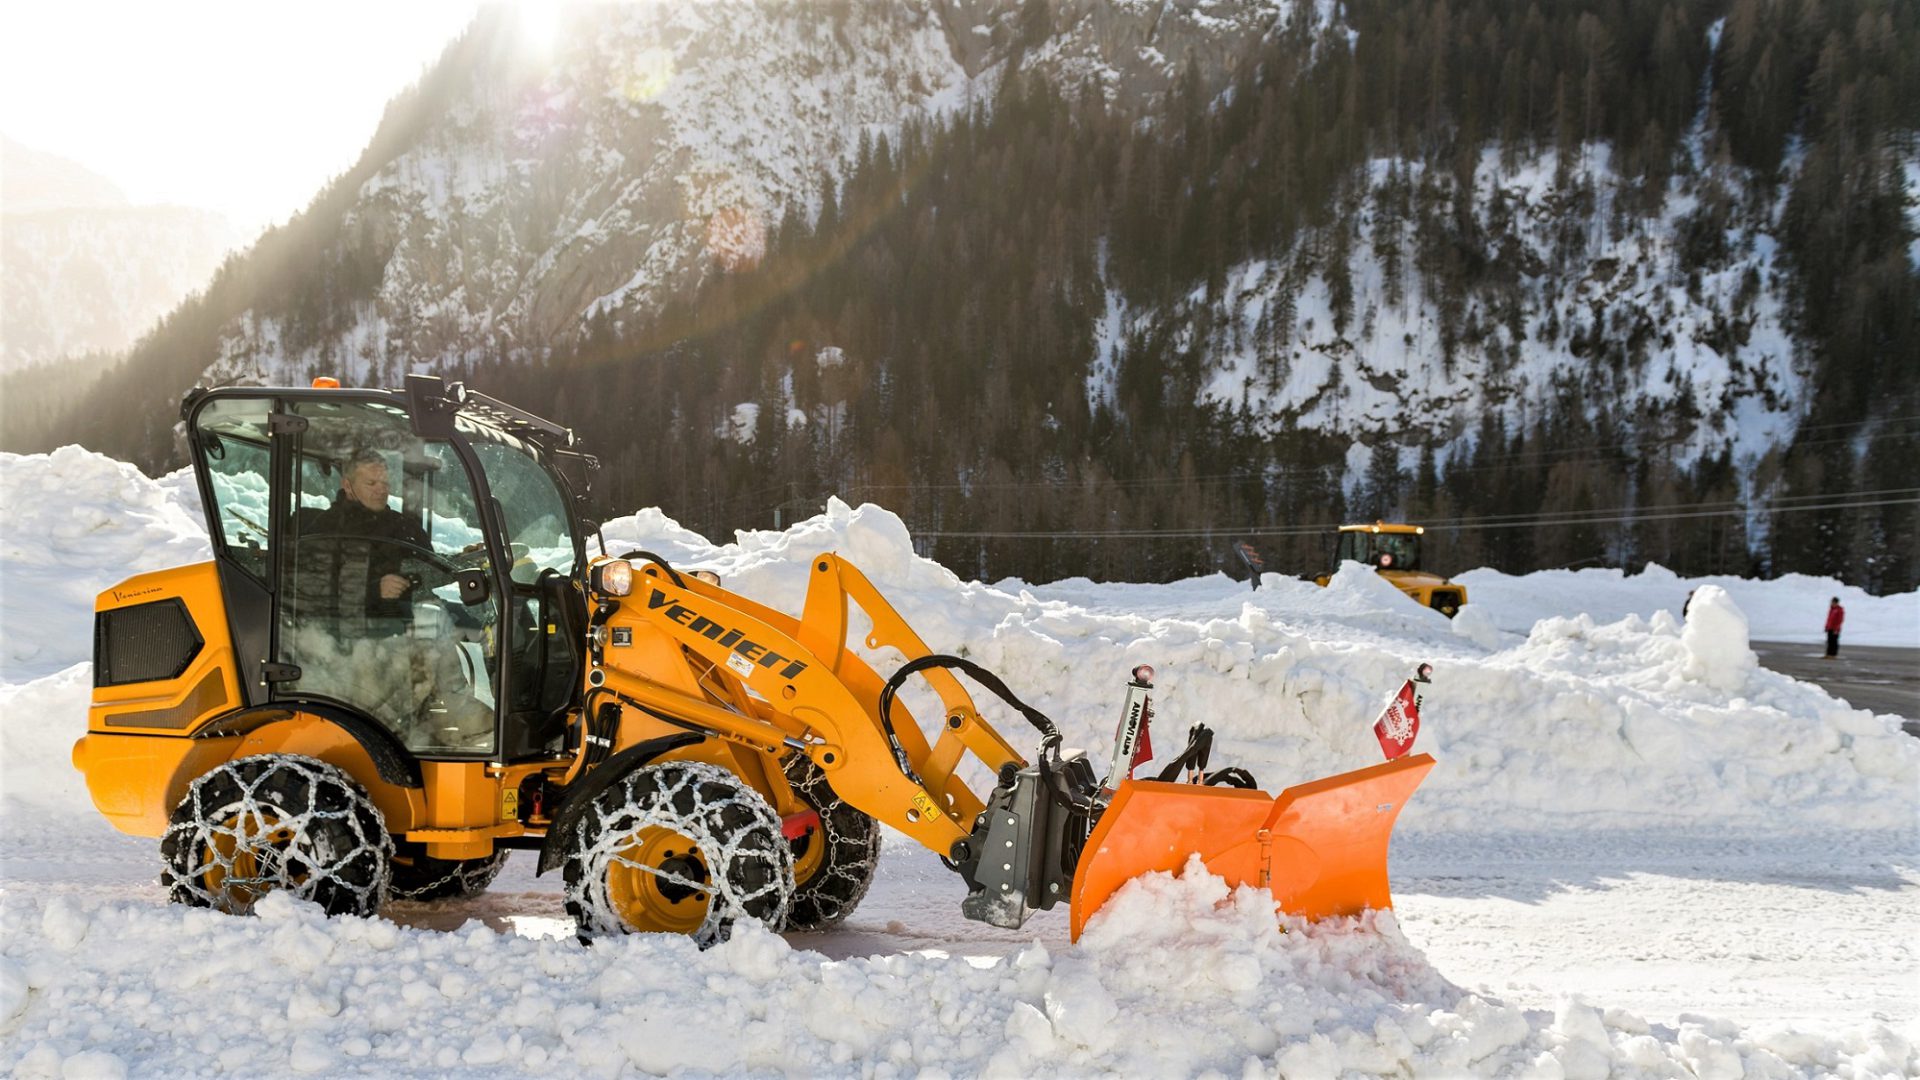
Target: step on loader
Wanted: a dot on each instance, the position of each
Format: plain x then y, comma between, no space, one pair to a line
401,663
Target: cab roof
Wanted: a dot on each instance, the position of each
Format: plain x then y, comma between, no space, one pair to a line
427,399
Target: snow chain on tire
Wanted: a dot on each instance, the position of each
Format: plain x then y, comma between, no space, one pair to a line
748,866
420,877
852,851
277,822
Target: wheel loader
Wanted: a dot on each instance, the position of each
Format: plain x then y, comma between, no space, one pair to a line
402,663
1393,550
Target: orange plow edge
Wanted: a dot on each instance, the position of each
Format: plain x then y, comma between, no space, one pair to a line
1320,846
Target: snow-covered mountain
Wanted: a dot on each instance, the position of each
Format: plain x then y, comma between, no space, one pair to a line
660,142
86,271
1424,244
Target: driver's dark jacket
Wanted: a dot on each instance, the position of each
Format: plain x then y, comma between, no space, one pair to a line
341,560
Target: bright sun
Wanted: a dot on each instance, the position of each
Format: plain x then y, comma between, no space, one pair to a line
538,24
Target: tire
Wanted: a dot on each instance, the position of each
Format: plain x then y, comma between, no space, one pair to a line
277,822
833,866
421,877
679,847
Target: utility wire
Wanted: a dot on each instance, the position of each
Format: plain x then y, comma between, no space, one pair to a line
1464,525
1495,463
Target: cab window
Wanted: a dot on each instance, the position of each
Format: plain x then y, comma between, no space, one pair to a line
529,503
232,440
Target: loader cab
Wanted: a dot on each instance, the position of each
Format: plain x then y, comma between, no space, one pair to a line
409,560
1383,547
1393,550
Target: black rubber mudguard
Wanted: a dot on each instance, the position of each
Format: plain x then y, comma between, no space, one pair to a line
589,787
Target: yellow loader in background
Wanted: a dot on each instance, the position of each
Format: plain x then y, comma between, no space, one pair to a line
1394,551
402,663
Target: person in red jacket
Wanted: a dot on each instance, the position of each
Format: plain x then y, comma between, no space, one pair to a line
1835,616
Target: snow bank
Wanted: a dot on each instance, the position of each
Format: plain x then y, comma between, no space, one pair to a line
1178,976
75,523
1586,721
1581,723
1542,719
1792,608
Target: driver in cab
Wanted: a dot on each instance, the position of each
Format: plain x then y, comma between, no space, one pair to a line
360,510
416,681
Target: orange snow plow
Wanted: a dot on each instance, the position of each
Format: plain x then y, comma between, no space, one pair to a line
1051,831
1320,846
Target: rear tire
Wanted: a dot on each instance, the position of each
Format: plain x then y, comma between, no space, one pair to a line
832,878
277,822
679,847
420,877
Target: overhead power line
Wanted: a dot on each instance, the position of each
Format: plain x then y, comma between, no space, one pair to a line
1678,512
1456,467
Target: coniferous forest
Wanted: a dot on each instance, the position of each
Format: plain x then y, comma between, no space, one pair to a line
960,271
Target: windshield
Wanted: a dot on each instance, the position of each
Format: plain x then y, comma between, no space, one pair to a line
1383,550
528,501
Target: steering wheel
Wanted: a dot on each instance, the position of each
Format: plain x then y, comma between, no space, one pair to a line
424,554
447,568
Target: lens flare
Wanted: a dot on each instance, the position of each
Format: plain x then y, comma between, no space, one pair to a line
652,70
537,26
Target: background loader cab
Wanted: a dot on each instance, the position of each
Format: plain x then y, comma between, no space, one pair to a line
1394,551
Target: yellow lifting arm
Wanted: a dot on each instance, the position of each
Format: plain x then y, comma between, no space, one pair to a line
774,682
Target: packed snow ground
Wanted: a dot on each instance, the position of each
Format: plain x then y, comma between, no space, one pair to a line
1641,853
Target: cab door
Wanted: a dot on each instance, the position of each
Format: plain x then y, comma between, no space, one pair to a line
546,610
232,441
376,523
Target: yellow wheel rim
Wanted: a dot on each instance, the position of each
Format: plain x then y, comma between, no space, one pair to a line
236,868
659,883
808,862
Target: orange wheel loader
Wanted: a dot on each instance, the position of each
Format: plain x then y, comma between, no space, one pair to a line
401,663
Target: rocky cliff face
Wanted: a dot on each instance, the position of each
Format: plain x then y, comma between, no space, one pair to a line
660,143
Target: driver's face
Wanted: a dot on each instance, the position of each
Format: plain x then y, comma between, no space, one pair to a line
367,485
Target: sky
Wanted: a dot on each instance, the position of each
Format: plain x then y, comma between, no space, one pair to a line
243,108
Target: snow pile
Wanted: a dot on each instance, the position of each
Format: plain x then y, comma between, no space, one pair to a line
1580,724
1790,608
1715,639
39,723
1179,976
76,523
1583,723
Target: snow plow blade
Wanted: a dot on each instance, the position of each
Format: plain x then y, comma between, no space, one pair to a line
1320,846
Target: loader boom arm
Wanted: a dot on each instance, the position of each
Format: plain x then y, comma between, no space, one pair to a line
774,682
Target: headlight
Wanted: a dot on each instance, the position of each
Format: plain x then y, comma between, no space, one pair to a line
613,578
707,576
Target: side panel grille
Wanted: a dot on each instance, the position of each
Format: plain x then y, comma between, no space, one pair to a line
143,643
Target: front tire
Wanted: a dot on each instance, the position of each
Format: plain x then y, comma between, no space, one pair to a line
277,822
833,865
679,847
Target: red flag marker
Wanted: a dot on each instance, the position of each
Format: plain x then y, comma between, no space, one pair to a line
1143,752
1399,722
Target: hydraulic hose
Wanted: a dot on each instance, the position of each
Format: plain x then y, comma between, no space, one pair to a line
1049,734
657,561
